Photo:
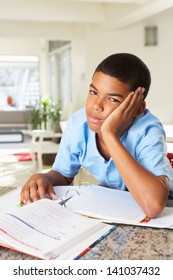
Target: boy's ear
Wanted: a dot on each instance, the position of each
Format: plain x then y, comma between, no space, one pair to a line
141,108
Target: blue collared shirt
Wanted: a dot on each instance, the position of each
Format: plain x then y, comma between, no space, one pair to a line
145,141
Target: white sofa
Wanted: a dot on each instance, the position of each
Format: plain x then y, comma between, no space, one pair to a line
14,119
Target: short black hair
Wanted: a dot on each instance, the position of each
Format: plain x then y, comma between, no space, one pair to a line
127,68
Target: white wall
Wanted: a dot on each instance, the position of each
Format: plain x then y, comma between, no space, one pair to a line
89,48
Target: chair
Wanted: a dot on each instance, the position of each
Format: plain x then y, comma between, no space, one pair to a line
42,143
63,125
170,157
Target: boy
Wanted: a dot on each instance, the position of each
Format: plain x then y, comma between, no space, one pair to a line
115,138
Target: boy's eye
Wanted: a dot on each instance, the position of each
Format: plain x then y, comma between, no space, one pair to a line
92,92
114,100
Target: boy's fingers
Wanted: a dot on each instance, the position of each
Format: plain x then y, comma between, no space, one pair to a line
139,92
132,99
34,194
25,196
41,192
136,99
51,192
52,195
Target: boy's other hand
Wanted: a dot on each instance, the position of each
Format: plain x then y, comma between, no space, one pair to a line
123,116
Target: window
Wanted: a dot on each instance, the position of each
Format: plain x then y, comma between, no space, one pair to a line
60,74
19,82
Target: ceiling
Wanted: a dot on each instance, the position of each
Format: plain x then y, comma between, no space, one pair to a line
100,14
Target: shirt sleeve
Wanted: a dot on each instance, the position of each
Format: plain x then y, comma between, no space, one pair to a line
151,151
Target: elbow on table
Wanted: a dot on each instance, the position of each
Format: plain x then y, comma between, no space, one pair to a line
155,204
154,210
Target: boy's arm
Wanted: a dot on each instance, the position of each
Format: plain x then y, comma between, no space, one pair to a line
148,190
40,184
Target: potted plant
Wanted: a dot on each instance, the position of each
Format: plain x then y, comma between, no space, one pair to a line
44,111
54,114
34,119
50,112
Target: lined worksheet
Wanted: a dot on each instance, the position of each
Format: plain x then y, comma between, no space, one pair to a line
48,230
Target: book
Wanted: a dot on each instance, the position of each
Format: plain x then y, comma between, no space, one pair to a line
46,229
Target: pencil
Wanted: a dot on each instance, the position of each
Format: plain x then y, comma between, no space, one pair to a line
20,203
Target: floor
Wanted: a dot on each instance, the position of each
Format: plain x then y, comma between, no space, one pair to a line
15,174
12,172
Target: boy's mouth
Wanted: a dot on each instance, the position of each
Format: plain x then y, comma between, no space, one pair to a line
94,119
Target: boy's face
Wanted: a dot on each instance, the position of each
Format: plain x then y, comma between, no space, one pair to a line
106,93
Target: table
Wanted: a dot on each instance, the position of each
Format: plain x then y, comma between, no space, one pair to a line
124,243
41,145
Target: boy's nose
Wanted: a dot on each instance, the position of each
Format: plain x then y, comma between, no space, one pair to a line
98,107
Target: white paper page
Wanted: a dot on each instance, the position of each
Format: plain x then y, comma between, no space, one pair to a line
116,206
44,228
67,191
97,235
107,204
11,199
165,220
